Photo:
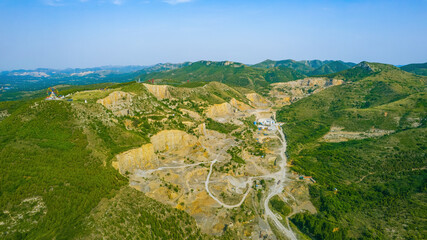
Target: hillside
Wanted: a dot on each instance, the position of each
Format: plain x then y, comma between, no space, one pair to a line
331,67
364,143
303,67
235,74
282,74
307,67
360,71
416,68
56,168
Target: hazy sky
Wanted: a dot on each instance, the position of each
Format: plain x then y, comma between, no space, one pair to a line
86,33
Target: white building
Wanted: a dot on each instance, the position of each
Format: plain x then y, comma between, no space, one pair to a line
266,121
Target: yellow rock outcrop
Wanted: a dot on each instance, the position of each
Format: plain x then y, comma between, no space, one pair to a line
118,102
288,92
172,140
145,158
239,105
159,91
220,110
257,100
192,114
138,158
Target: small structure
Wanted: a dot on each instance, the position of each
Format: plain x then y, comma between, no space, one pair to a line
266,121
302,177
53,94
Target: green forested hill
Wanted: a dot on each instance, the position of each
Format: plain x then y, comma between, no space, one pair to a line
282,74
331,67
380,182
416,68
235,74
301,66
308,67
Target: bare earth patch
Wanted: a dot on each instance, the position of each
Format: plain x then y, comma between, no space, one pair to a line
336,134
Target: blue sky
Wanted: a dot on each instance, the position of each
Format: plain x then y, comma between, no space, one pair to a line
86,33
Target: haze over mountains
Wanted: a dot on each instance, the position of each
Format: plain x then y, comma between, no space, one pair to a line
259,74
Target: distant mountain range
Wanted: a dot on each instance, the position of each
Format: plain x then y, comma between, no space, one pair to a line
257,75
29,80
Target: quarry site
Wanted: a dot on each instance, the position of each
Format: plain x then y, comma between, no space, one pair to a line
223,179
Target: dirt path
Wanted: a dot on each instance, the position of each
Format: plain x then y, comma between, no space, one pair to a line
277,188
216,199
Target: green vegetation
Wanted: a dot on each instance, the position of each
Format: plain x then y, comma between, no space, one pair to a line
38,94
309,68
380,185
282,74
56,168
303,67
233,74
280,206
235,152
131,214
209,93
417,68
44,154
225,128
372,188
331,67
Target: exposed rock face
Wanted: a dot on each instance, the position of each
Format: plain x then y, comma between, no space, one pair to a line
172,140
24,216
239,105
192,114
138,158
4,114
220,110
313,82
364,65
288,92
336,134
257,100
145,157
159,91
118,102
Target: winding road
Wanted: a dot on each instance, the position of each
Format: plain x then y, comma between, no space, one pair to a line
278,188
279,181
279,177
216,199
